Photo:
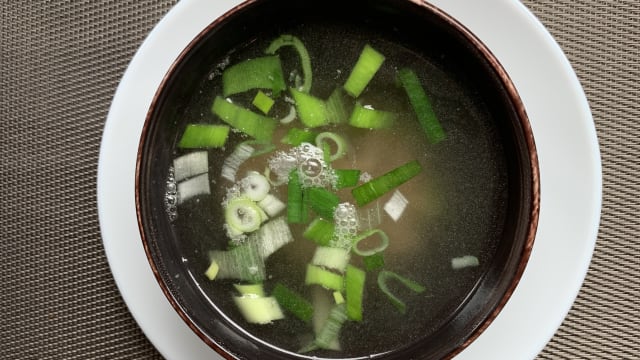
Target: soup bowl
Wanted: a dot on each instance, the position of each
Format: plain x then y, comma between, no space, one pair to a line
481,212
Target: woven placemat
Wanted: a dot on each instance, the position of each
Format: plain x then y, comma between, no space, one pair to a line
60,63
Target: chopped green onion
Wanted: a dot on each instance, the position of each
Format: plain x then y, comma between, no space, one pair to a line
365,68
384,242
421,105
328,334
312,111
293,302
271,205
365,117
255,186
240,154
325,278
305,60
191,164
271,236
338,298
320,231
204,136
243,215
385,275
258,310
464,261
337,107
296,209
340,143
373,262
322,201
295,137
250,289
331,258
243,262
259,73
252,124
212,270
379,186
346,178
198,185
263,102
354,289
290,116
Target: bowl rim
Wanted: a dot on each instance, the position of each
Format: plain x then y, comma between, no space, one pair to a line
512,94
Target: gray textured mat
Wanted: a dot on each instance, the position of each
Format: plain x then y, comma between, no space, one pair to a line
59,66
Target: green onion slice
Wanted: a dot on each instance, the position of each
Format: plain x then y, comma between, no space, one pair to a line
382,236
296,207
258,310
243,262
295,137
305,60
323,277
340,144
258,126
259,73
312,111
204,136
365,68
338,107
346,178
354,289
379,186
293,302
250,289
322,201
365,117
243,215
263,102
331,258
373,262
421,105
320,231
384,276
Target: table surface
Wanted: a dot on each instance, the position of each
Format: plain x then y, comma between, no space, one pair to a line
59,67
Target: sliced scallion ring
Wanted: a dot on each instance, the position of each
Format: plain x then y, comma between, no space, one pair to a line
339,142
243,215
384,242
256,186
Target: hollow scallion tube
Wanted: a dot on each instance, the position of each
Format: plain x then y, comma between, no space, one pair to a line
258,126
368,118
312,111
203,136
258,73
366,67
293,302
421,105
384,276
305,59
371,190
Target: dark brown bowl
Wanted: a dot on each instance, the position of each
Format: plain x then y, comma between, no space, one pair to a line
426,31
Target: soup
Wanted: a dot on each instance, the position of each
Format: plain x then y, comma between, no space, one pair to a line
336,191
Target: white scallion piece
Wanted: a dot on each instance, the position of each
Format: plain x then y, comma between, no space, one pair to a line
290,116
255,186
331,257
396,205
464,261
259,310
231,164
190,165
272,236
272,205
195,186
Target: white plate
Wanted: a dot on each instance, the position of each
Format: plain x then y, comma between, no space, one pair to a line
569,168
